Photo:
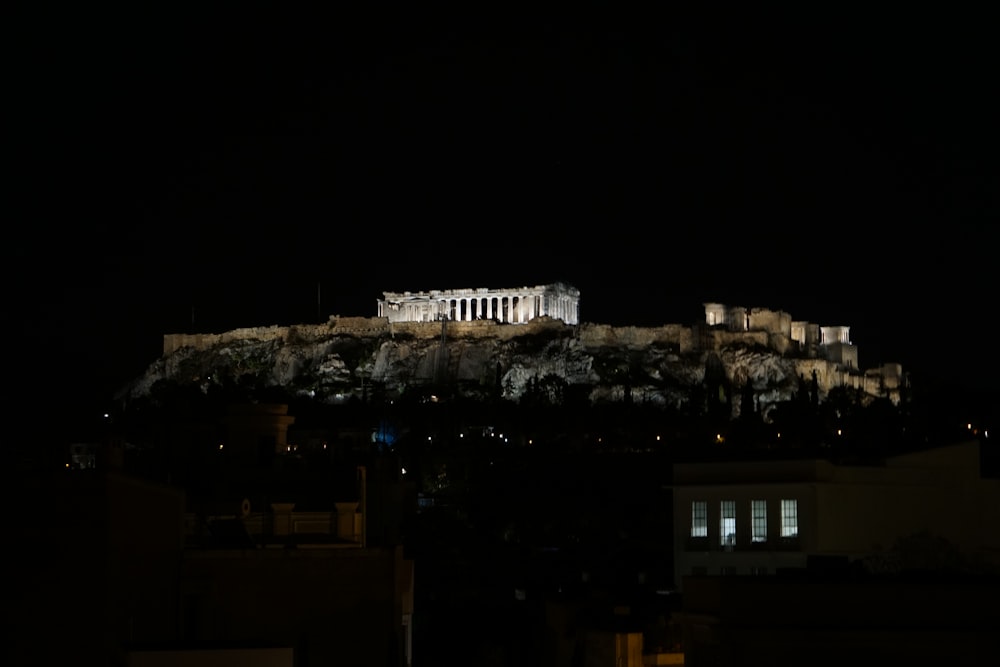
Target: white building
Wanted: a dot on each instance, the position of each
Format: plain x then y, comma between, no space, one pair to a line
755,517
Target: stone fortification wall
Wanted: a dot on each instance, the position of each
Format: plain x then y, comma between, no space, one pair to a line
482,329
597,335
720,338
590,335
773,321
174,342
361,326
354,326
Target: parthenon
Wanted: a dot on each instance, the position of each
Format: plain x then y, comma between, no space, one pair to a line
511,305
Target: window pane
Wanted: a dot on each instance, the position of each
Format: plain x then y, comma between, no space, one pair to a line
727,525
789,518
758,523
699,518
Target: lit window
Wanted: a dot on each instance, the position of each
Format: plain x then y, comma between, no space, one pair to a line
789,518
758,521
727,525
699,518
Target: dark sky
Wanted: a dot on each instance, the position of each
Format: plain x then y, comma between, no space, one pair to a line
227,167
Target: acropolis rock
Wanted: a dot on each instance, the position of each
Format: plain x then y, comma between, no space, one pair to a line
480,342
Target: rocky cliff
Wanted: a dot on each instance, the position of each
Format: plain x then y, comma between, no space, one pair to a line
547,360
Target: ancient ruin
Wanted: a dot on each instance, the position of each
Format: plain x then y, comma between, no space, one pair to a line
507,340
510,306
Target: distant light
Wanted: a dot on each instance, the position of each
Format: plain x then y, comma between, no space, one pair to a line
428,438
657,438
968,426
221,446
402,470
67,465
839,432
530,441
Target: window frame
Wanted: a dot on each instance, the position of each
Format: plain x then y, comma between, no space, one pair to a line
758,521
789,518
699,519
727,519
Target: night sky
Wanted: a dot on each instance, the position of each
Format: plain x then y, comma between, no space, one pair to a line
199,169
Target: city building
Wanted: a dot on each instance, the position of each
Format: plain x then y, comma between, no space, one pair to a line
760,517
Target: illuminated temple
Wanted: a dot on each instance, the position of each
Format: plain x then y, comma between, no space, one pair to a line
511,305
